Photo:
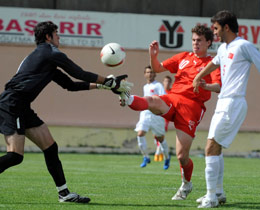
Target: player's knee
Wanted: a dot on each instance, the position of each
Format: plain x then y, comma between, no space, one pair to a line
182,158
160,138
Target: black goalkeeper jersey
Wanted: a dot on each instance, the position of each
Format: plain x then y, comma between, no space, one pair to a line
37,70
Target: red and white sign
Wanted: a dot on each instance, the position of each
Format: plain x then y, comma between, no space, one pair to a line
95,29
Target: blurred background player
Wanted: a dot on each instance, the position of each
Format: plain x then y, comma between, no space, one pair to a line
149,121
167,84
182,106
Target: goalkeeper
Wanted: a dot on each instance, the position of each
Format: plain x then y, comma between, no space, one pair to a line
18,120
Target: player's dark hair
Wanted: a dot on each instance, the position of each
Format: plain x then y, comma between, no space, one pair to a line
147,67
42,29
226,17
168,77
202,30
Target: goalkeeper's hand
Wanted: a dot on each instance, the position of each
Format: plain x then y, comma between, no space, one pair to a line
117,84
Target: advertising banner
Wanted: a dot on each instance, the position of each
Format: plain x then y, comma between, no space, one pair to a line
95,29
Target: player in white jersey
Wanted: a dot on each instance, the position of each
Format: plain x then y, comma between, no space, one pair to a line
167,85
234,57
149,121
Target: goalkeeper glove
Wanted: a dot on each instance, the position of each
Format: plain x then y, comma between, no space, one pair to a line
116,84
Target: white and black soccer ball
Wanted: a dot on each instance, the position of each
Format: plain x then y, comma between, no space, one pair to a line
112,55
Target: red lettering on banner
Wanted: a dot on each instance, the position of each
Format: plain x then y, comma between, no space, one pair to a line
80,28
30,24
1,25
243,31
255,33
93,27
13,25
66,26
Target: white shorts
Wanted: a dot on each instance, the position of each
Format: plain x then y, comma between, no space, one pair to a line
229,115
151,121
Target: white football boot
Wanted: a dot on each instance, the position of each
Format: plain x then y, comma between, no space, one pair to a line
207,203
222,199
183,191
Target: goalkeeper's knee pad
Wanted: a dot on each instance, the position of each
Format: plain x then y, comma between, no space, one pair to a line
9,160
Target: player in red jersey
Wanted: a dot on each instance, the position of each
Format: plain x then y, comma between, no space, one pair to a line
181,106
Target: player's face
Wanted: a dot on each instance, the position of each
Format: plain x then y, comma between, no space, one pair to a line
166,84
200,45
55,40
219,31
149,75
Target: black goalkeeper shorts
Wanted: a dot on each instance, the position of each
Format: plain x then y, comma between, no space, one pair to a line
10,124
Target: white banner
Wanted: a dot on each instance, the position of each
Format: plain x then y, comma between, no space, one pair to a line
95,29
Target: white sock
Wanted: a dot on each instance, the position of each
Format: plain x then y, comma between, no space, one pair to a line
165,148
160,149
211,174
221,175
130,100
63,187
142,145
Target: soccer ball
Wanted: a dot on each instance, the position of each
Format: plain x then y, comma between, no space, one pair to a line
112,55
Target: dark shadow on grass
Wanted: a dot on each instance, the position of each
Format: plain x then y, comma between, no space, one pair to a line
138,205
243,205
97,204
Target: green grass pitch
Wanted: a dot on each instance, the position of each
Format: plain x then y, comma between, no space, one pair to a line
117,182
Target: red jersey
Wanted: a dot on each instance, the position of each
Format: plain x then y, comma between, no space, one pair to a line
187,65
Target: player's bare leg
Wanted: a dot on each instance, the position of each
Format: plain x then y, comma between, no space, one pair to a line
43,139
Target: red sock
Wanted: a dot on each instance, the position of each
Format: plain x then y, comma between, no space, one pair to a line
139,104
187,170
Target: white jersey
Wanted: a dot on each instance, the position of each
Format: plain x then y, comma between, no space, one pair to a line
235,60
147,119
154,88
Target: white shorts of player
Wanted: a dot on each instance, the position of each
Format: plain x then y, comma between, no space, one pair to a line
149,121
229,115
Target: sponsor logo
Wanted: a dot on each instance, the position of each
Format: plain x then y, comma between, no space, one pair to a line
191,124
113,52
79,33
183,63
171,36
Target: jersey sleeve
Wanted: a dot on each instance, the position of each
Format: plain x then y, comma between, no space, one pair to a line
62,61
252,54
67,83
216,59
